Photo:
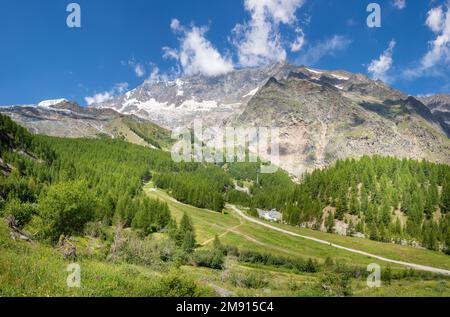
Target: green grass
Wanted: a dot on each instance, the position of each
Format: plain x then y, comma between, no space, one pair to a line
387,250
405,288
38,270
255,237
207,223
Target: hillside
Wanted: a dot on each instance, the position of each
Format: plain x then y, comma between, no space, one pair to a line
136,240
62,118
439,106
325,115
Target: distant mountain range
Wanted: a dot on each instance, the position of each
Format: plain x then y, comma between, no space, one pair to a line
63,118
323,115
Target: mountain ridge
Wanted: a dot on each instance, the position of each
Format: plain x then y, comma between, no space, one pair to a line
323,115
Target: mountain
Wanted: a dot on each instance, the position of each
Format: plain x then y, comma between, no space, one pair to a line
62,118
214,99
323,115
439,106
328,115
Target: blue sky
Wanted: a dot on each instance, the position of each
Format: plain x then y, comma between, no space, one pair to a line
122,43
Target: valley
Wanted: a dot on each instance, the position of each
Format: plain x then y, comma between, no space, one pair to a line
364,179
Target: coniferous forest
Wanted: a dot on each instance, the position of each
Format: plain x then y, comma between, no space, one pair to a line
59,188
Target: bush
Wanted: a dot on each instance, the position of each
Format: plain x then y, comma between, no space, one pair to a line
97,229
65,208
22,212
213,259
299,265
231,250
177,285
336,284
252,279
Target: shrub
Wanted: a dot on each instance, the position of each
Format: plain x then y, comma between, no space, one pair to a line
97,229
213,259
336,284
22,212
177,285
65,209
252,279
231,250
299,265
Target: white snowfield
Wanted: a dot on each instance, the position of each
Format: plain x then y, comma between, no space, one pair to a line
407,264
49,103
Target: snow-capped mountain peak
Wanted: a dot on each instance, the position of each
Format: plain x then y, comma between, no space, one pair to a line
214,99
50,103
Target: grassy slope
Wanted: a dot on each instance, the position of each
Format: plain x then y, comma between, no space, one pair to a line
283,283
254,237
39,270
392,251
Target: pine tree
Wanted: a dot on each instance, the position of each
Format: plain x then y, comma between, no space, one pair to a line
445,198
329,223
186,234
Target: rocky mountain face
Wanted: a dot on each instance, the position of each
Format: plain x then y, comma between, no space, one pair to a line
62,118
174,104
439,106
327,115
322,115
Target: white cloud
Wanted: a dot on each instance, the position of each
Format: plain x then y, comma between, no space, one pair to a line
380,67
259,41
297,45
400,4
118,89
138,68
98,98
196,54
438,20
328,47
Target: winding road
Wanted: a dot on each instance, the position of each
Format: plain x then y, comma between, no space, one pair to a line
407,264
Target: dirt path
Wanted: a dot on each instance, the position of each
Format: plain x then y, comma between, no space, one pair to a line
233,229
407,264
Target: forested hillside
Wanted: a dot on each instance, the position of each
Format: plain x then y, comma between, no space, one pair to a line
87,194
102,178
385,198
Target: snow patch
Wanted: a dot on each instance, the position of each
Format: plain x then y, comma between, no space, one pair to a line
49,103
251,93
340,77
314,71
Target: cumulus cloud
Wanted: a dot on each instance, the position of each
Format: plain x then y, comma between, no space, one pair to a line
438,54
435,19
101,97
400,4
438,21
196,55
327,47
380,67
258,41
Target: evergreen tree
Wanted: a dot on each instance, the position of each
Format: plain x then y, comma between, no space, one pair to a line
186,234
